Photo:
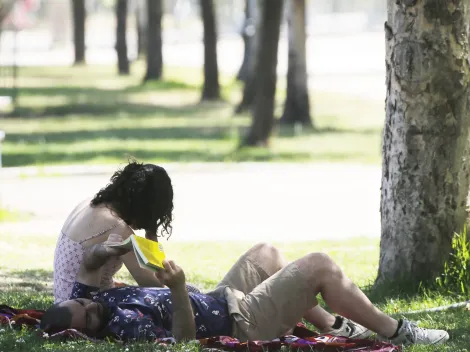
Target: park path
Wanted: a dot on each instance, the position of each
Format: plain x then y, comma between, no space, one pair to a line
245,201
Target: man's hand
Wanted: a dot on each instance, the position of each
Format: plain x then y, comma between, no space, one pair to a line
172,275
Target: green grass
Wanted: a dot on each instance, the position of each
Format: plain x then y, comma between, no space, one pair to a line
7,215
26,281
76,115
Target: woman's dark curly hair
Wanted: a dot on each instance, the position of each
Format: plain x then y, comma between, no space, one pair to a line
142,195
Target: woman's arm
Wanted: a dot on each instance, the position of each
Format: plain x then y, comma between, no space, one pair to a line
143,277
95,257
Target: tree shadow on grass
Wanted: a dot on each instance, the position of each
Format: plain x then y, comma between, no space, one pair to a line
123,134
111,109
92,91
290,131
31,288
47,157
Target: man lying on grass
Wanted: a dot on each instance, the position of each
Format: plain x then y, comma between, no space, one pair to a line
261,298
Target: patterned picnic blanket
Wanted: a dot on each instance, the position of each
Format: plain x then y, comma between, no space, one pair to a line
302,338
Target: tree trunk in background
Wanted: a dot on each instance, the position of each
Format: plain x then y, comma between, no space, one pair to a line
211,88
155,43
297,105
249,87
5,8
121,42
248,36
79,19
263,115
141,23
425,174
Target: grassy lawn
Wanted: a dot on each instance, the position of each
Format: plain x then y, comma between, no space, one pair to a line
26,280
75,115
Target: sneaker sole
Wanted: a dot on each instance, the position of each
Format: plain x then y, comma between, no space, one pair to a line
444,338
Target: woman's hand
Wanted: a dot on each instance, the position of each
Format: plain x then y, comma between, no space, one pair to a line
151,235
107,249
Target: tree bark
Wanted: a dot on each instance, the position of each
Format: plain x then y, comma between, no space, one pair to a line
248,36
249,87
263,114
155,43
297,104
79,19
211,88
5,9
141,23
121,41
425,174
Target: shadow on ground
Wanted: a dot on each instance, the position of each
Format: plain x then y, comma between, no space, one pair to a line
181,131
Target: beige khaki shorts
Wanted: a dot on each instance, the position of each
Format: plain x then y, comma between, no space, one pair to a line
263,307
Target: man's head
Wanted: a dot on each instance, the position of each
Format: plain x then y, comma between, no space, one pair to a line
81,314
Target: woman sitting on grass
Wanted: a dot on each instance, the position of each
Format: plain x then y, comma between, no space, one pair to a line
138,197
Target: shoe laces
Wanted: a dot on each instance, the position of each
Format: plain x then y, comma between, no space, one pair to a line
414,333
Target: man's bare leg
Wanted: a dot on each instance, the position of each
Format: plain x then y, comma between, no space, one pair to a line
342,295
271,260
320,318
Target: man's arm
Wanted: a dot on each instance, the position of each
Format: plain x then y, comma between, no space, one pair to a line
183,326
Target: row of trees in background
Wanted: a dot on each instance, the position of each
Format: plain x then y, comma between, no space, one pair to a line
258,70
425,178
425,172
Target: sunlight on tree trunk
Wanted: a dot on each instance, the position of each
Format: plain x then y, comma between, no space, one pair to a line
5,8
211,89
248,36
79,20
154,37
425,175
121,40
249,87
297,105
263,114
141,26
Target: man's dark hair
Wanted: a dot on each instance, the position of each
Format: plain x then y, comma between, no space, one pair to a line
142,195
56,319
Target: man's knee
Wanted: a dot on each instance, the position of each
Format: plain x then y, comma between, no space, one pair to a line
268,257
267,249
318,265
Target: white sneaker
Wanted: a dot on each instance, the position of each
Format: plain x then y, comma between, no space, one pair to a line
349,329
411,334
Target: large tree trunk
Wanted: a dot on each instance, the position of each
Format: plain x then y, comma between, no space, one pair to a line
248,36
121,42
297,105
155,43
263,115
79,19
211,89
141,23
425,176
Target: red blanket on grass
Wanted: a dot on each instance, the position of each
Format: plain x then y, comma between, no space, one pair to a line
302,338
